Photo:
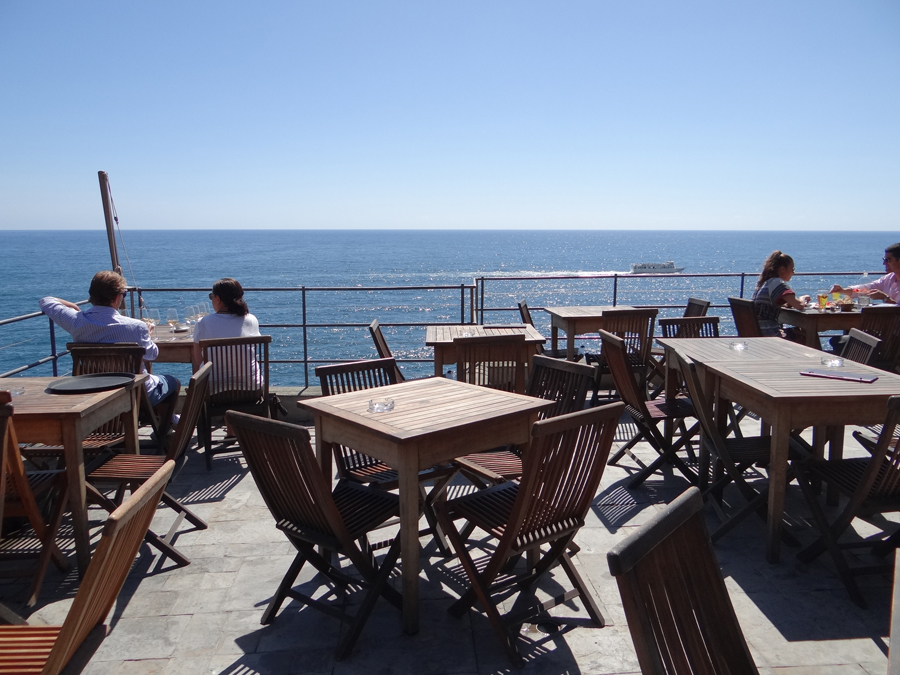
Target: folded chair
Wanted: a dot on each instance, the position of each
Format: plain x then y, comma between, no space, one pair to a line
47,649
354,464
676,605
495,361
647,415
310,514
239,381
124,469
18,499
525,313
871,485
551,379
696,307
561,474
860,346
681,327
731,456
745,319
381,346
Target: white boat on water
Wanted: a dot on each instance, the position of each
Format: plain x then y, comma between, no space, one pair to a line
667,267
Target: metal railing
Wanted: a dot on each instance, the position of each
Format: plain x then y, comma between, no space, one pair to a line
475,301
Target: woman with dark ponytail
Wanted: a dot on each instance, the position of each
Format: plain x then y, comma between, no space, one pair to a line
772,292
232,317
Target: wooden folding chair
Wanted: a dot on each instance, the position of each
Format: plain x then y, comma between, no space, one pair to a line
883,321
239,381
859,346
310,514
47,649
871,485
696,307
551,379
19,494
635,328
745,319
353,464
562,471
133,470
525,313
732,457
381,346
495,361
690,327
676,605
647,415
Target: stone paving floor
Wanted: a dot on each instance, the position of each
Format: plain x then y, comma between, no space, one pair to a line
204,618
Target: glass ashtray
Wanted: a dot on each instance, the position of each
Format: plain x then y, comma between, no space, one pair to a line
378,405
832,361
16,391
738,345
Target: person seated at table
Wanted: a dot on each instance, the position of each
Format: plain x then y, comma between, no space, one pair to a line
232,318
885,288
773,292
102,323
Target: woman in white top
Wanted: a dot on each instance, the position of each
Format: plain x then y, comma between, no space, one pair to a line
232,318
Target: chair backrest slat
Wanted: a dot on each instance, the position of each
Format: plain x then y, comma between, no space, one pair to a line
495,361
745,319
882,477
356,376
676,604
381,346
690,327
635,327
119,543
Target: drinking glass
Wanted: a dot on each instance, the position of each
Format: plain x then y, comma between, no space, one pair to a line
822,298
204,309
190,317
172,320
151,317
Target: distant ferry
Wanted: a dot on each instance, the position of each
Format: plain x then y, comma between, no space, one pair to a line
667,267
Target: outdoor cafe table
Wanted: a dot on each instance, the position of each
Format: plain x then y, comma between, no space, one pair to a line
441,338
765,378
54,419
433,421
177,350
576,321
813,322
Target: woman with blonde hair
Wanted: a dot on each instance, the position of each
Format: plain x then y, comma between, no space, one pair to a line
772,292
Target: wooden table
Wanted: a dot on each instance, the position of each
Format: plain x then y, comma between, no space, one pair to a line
441,338
765,378
53,419
178,350
433,421
576,321
813,322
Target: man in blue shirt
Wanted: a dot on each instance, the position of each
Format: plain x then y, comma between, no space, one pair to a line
103,323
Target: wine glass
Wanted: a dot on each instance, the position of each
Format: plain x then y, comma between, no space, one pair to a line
172,320
204,309
151,317
190,316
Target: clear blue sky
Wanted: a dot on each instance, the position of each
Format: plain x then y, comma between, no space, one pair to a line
603,114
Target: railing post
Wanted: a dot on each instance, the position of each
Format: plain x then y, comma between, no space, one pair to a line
615,289
472,303
462,303
53,347
480,293
305,343
742,284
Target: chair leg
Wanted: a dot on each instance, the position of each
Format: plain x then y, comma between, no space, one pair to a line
49,548
176,505
286,584
378,585
586,598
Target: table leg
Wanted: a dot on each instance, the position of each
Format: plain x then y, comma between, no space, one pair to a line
438,361
778,461
74,454
554,338
409,538
835,451
132,444
570,345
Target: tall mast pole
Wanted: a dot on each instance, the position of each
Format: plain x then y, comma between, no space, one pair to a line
110,225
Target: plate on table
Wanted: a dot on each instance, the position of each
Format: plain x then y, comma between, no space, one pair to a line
89,384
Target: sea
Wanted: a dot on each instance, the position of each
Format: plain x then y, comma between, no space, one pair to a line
61,263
